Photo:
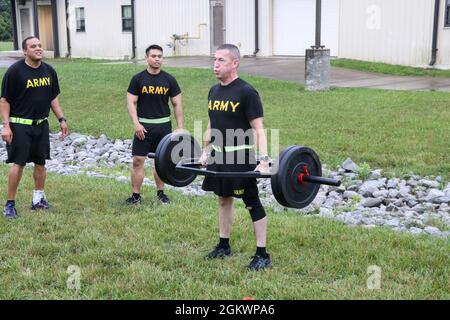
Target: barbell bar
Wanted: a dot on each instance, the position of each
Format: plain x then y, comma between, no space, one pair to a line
295,175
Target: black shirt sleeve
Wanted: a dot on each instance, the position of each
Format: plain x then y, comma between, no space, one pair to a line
55,85
174,87
7,86
133,88
253,105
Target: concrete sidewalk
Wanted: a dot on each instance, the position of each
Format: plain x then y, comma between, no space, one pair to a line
293,69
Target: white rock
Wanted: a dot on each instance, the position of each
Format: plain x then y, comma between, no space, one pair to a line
349,165
372,202
325,212
432,230
433,194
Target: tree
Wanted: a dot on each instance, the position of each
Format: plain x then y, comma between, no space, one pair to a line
5,21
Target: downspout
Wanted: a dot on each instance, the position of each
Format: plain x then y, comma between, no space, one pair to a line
434,48
133,32
256,28
69,48
36,18
55,29
14,24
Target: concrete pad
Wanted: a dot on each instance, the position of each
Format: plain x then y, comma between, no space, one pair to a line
293,69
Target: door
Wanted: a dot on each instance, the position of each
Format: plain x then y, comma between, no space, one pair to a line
217,22
25,25
294,25
45,27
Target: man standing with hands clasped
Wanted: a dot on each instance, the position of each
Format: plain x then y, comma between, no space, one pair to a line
29,89
148,106
235,118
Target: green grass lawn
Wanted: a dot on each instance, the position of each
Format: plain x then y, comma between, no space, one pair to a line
6,46
386,68
398,131
156,252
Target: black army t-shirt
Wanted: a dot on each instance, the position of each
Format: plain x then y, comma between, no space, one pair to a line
231,108
153,93
29,91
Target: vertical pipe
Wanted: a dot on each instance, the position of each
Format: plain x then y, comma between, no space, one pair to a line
256,28
133,31
69,48
55,28
434,48
14,24
318,22
36,18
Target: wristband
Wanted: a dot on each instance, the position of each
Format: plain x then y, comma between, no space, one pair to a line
62,119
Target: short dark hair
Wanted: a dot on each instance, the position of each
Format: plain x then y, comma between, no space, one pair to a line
234,51
153,46
24,42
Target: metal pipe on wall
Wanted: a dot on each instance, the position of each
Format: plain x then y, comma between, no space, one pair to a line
434,48
69,48
14,24
55,29
133,31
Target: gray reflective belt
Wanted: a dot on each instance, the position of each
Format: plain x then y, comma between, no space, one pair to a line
232,148
155,121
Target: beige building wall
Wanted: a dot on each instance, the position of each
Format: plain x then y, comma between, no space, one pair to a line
103,37
396,32
158,21
240,24
62,28
443,56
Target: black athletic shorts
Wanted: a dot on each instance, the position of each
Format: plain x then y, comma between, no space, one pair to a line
232,187
155,133
29,144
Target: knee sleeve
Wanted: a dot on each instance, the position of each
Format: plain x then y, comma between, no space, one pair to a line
255,208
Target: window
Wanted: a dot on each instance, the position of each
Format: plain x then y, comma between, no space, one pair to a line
447,13
79,14
127,20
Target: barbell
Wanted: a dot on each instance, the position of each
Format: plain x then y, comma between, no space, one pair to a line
295,176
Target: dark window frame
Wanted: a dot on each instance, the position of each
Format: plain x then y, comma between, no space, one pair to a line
447,14
80,21
127,20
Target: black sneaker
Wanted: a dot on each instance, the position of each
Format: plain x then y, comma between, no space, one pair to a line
133,200
163,198
10,211
41,205
258,263
218,252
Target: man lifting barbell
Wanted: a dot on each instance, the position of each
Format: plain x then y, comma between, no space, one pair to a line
235,105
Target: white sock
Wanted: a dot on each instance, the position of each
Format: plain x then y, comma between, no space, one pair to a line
37,196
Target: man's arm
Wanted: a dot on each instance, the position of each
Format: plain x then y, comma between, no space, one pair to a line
132,111
261,143
206,145
5,108
178,110
56,108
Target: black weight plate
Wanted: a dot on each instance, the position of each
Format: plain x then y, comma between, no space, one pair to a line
277,190
287,186
172,149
